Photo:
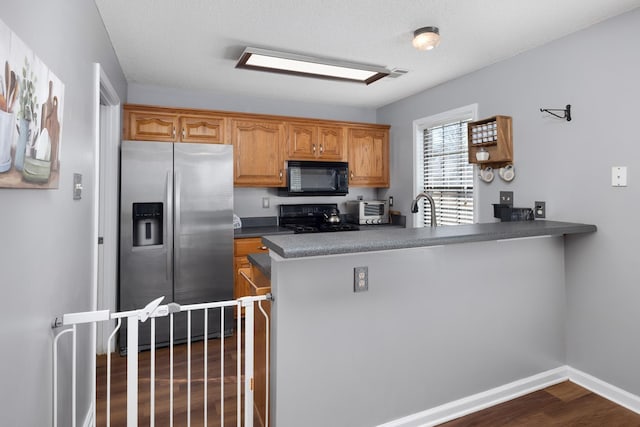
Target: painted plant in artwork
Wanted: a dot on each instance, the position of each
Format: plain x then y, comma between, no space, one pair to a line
30,117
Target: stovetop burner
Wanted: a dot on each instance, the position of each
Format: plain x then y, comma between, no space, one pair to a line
311,218
321,228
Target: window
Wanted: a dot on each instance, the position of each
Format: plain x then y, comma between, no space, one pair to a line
443,169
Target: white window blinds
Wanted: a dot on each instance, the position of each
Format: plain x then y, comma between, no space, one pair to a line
448,176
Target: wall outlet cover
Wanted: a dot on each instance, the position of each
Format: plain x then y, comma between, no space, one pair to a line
360,279
619,176
506,198
540,210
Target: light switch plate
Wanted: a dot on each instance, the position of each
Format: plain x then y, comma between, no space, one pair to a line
619,176
77,186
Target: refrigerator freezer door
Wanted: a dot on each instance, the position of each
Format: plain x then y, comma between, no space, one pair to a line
203,229
146,271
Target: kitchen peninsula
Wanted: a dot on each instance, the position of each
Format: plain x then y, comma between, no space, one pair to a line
449,312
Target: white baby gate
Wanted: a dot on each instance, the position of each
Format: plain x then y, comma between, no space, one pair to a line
151,312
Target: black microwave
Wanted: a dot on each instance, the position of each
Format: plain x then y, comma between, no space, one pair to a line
316,179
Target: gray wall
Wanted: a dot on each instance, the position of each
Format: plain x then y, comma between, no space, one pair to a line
425,333
46,251
248,201
568,165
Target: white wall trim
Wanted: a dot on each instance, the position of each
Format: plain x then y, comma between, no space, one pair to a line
477,402
606,390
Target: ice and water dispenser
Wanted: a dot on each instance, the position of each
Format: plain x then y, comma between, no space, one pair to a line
147,224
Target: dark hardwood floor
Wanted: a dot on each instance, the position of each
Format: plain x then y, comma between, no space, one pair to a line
564,404
215,380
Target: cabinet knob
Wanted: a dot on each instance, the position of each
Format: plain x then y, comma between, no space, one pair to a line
351,174
174,131
264,248
314,148
321,149
280,174
184,133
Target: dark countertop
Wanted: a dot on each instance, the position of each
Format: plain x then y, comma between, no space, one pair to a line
262,261
304,245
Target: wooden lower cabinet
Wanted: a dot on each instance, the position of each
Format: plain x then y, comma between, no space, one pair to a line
241,248
259,284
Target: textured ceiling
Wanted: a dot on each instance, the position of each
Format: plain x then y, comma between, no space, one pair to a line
195,44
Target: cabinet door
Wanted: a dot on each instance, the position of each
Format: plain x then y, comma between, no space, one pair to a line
331,143
145,126
258,151
208,130
368,157
302,142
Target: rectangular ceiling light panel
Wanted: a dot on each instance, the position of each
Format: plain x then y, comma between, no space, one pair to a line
287,63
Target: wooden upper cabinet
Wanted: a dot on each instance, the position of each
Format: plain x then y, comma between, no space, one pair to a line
166,125
308,141
150,126
263,143
202,129
331,141
368,157
302,141
258,153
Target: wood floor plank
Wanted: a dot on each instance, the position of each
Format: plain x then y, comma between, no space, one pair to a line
567,391
216,380
564,404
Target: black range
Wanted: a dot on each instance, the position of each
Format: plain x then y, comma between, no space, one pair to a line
313,218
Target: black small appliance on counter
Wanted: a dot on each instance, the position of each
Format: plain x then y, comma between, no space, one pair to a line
507,213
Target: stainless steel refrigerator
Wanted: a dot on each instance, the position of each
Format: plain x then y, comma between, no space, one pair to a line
176,233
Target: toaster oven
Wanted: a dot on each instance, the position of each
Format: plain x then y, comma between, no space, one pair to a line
368,212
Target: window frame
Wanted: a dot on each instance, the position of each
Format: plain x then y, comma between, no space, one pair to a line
419,126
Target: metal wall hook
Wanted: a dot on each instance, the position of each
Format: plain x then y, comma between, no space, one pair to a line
566,111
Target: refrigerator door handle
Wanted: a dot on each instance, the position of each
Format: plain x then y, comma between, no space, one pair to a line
168,223
177,226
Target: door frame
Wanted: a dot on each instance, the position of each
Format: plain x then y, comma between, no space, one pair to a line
107,117
106,135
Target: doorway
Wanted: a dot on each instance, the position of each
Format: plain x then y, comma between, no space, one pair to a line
107,132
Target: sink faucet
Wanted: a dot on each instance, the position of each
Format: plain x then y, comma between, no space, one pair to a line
414,206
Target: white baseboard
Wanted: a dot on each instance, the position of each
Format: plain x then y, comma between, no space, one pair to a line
461,407
467,405
606,390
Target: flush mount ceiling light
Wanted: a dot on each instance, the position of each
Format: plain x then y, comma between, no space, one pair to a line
308,66
426,38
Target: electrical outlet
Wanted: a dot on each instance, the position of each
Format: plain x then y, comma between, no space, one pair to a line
360,279
506,198
540,210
